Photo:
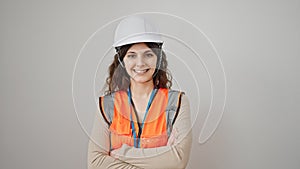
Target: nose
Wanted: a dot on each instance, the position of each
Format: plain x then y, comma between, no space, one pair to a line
140,61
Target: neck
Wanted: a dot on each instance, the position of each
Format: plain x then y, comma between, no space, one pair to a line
141,90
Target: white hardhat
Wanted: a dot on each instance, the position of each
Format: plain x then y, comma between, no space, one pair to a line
134,29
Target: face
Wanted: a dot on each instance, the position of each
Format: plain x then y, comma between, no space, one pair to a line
140,62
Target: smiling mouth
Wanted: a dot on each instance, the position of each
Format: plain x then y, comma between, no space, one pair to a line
140,71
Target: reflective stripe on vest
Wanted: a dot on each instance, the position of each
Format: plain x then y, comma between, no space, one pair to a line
116,111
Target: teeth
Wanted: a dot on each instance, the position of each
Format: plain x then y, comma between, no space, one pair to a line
141,71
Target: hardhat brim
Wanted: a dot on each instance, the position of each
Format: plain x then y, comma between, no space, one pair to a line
150,37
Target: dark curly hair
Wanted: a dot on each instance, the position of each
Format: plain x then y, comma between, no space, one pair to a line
120,80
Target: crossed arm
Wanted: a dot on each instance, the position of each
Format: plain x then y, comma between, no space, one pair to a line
174,155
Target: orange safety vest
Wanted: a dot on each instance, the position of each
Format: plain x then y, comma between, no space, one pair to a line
119,113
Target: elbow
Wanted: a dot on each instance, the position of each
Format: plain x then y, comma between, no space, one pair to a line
182,153
95,158
179,160
178,164
181,163
93,161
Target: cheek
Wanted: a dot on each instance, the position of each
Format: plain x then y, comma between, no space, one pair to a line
152,63
127,64
128,68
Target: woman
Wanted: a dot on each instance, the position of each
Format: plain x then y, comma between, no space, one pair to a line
142,122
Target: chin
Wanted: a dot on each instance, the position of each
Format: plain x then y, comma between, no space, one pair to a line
142,80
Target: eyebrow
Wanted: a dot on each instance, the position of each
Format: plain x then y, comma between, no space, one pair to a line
149,50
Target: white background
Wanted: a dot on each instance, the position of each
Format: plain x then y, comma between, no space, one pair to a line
258,42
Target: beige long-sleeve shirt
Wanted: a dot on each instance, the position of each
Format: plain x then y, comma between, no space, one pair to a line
174,155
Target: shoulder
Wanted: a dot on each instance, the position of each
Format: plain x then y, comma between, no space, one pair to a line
178,95
180,99
184,114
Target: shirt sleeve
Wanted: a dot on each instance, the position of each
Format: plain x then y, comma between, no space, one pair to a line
98,148
174,155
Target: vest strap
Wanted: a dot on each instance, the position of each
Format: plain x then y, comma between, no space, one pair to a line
102,111
178,108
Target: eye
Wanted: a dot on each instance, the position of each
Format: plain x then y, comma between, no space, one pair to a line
131,56
149,54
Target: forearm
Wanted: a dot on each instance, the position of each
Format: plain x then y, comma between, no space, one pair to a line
98,149
100,160
174,156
